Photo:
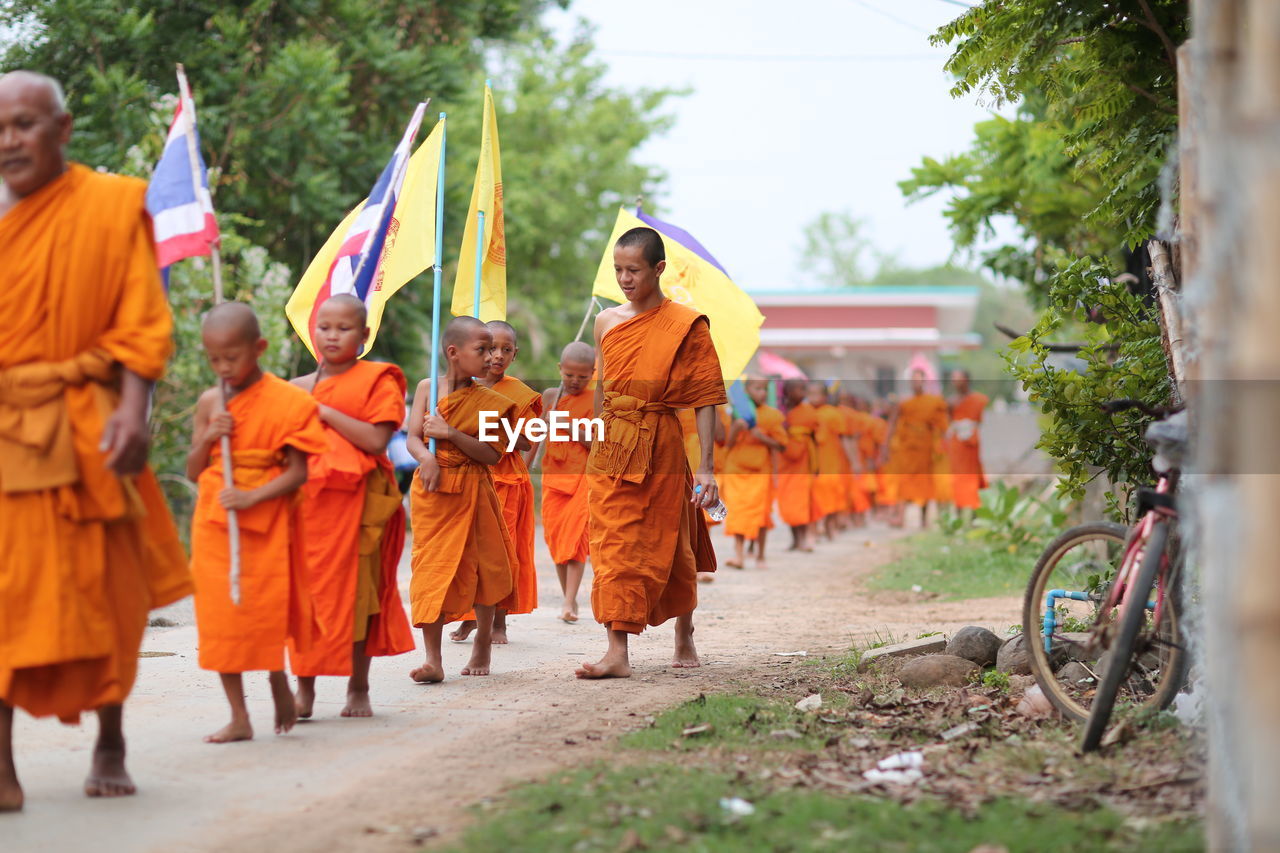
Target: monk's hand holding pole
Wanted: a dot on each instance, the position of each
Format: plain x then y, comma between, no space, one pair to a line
126,436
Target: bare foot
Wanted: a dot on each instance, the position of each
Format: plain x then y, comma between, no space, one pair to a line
11,797
706,577
567,615
686,656
230,733
500,637
463,631
428,673
733,564
305,699
107,776
761,564
358,704
479,663
286,707
608,667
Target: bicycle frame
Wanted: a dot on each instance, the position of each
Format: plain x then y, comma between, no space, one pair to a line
1118,593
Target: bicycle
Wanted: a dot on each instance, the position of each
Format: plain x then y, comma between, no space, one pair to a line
1089,601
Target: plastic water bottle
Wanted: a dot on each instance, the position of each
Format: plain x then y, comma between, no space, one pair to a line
717,511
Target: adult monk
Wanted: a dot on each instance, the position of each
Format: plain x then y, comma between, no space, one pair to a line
648,539
915,436
963,447
798,467
564,470
88,544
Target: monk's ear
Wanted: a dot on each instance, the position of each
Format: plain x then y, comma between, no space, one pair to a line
64,123
659,267
260,347
364,339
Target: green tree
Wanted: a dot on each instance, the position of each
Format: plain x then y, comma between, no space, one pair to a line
836,249
1078,171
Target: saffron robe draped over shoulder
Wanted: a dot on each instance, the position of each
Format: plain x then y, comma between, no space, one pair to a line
462,553
564,487
515,492
798,468
275,604
830,489
748,477
964,450
648,541
354,522
916,439
84,554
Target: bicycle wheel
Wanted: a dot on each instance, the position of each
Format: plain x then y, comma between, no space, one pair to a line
1079,562
1139,646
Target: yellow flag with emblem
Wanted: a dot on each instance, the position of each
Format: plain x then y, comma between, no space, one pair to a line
410,247
486,196
691,280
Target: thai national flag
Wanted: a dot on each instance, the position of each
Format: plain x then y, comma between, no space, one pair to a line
178,196
354,268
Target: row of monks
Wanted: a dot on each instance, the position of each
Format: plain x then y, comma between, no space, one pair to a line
827,461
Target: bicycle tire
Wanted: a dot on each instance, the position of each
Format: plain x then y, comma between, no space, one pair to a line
1033,610
1122,649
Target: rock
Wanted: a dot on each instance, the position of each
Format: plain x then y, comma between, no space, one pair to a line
1073,646
924,646
810,703
1014,658
938,671
1076,674
976,644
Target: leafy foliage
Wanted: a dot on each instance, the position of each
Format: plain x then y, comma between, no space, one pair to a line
1077,170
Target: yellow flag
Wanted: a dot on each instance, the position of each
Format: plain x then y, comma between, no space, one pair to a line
410,246
485,196
690,280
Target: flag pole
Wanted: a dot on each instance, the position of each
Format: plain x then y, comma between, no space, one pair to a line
438,271
215,258
479,259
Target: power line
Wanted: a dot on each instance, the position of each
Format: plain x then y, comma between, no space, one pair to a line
958,3
773,57
892,17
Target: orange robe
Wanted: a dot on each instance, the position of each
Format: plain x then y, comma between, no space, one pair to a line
515,492
462,553
86,554
693,447
916,440
967,477
856,423
829,488
798,468
870,446
275,604
648,541
354,521
564,487
748,477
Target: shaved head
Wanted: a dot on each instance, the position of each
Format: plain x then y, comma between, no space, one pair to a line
350,302
235,317
496,326
460,330
648,241
578,352
42,86
34,129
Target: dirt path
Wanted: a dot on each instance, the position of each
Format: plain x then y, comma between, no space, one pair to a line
345,785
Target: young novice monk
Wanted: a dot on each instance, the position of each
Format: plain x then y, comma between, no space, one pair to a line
648,539
463,557
512,481
829,488
273,427
798,467
748,477
353,515
564,482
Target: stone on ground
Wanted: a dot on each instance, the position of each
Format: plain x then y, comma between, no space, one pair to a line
938,671
923,646
976,644
1076,674
1015,659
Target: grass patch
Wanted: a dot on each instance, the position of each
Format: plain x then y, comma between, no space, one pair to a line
669,807
953,567
729,720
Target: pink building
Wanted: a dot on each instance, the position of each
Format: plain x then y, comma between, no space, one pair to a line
868,334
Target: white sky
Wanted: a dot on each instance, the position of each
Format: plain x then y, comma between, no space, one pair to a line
762,146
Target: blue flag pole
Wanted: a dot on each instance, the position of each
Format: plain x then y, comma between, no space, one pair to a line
438,271
479,259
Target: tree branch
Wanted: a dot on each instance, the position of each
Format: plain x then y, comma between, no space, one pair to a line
1171,51
1056,347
